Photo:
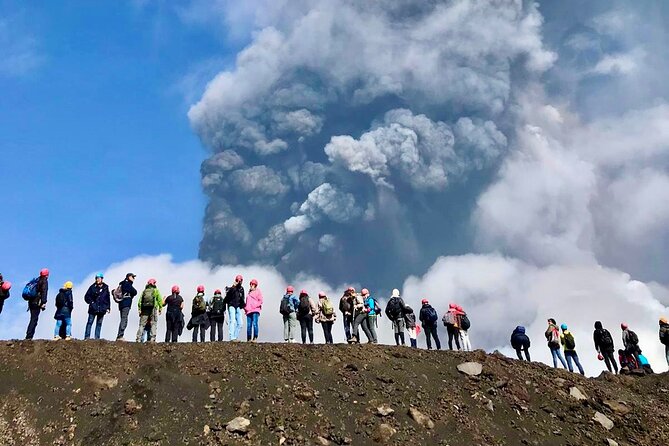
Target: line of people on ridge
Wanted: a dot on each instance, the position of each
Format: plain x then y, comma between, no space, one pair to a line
359,311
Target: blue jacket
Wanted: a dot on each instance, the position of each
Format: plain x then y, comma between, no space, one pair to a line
97,298
294,302
369,303
129,292
519,338
64,304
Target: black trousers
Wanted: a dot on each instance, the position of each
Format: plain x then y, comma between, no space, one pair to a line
431,331
327,331
34,318
453,333
216,324
307,326
610,361
202,332
524,348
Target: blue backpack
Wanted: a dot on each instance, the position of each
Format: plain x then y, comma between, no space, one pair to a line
30,290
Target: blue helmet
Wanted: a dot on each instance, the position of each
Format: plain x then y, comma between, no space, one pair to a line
563,327
99,275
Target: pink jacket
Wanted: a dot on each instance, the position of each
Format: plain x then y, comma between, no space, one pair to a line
253,302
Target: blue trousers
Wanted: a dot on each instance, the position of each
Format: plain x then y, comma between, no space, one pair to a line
557,354
68,327
252,326
572,355
234,322
98,325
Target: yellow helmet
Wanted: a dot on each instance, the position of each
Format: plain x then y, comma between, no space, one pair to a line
68,285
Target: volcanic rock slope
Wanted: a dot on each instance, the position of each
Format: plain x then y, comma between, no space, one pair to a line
97,392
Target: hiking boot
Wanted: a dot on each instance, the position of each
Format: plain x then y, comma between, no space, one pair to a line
56,338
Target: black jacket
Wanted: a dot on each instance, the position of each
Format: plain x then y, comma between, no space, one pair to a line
234,297
97,298
519,338
597,338
129,292
42,292
345,304
64,304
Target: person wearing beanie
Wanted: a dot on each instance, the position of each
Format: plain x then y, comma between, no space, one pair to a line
395,310
664,336
567,340
605,347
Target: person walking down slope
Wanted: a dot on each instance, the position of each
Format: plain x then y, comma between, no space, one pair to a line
567,340
236,301
450,320
360,319
150,305
216,310
428,318
64,307
664,336
520,341
288,310
306,310
346,308
199,320
252,309
123,295
97,298
326,316
630,342
605,347
5,286
35,292
174,316
553,337
395,310
412,328
464,324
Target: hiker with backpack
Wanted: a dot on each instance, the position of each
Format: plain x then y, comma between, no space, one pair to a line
373,311
360,319
450,321
252,309
428,318
553,337
4,291
346,308
123,295
235,300
410,323
216,310
199,320
630,341
35,293
288,309
664,336
395,313
627,362
520,342
569,343
306,310
64,307
97,298
174,317
605,347
326,316
150,305
464,324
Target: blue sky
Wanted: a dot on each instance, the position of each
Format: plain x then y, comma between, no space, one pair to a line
99,160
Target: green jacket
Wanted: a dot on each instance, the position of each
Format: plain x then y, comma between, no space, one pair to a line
157,298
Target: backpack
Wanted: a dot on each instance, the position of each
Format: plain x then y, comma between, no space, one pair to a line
199,304
377,308
554,337
305,307
148,300
449,318
117,294
606,339
217,305
432,315
285,308
328,308
394,309
569,342
633,338
30,290
464,322
664,337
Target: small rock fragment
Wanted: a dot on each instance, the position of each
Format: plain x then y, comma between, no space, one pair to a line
617,407
322,441
131,407
603,420
384,433
384,410
577,394
206,430
238,425
610,442
470,368
421,418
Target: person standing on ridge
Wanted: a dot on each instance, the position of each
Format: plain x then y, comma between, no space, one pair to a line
64,307
360,319
36,292
605,347
346,308
216,311
306,310
450,320
199,320
664,336
631,342
150,305
235,300
326,316
412,328
97,298
567,340
288,310
373,312
428,318
464,324
395,310
123,295
553,337
4,291
520,341
252,309
174,317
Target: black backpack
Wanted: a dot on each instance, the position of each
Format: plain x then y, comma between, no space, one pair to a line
285,308
606,339
633,338
217,305
464,322
432,315
394,308
664,337
305,307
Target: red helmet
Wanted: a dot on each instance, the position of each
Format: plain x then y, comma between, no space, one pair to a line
44,272
254,282
290,289
424,301
151,282
351,289
600,357
458,307
176,289
451,306
6,286
321,294
217,292
239,278
364,292
303,292
200,288
623,326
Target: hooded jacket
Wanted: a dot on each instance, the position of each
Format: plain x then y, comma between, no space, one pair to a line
234,296
664,333
519,339
129,291
253,302
598,335
97,298
42,292
322,317
424,316
64,304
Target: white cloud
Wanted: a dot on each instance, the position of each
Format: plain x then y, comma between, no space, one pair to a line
19,47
